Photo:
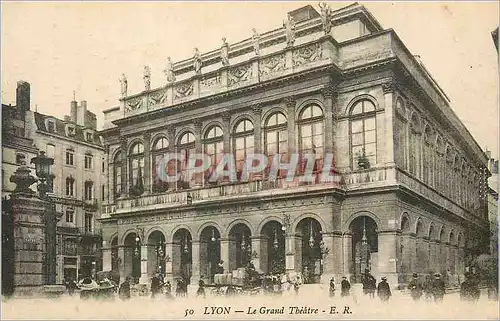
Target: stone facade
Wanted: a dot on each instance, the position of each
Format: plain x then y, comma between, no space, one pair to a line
355,89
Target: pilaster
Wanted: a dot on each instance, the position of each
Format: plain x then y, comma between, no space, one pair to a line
388,89
124,171
195,257
198,177
387,256
147,162
144,279
290,103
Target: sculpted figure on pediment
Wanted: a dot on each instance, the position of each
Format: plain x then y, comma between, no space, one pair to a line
197,61
169,70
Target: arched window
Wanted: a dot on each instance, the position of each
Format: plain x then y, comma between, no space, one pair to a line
311,134
363,134
117,175
414,147
428,157
185,147
136,169
449,172
439,164
276,137
160,148
213,146
243,143
457,178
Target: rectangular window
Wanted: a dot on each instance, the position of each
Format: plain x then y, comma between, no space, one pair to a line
89,137
69,157
70,216
89,186
88,161
102,192
88,222
70,186
103,166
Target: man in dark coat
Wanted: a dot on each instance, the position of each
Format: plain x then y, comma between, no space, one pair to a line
427,289
371,284
179,288
469,290
155,286
332,287
124,291
383,290
438,288
415,288
345,287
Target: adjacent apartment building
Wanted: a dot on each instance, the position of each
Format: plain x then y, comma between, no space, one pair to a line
77,180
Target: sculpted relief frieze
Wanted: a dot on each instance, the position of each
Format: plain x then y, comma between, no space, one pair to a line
210,81
239,74
133,104
158,97
183,90
272,64
307,54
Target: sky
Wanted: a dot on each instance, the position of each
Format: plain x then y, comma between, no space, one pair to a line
84,47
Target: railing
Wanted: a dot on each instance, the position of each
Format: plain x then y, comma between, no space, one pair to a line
284,61
354,180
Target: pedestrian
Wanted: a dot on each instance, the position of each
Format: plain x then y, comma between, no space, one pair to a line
415,288
332,287
438,288
427,288
179,287
201,288
345,287
124,291
155,285
371,286
71,287
383,290
469,290
168,290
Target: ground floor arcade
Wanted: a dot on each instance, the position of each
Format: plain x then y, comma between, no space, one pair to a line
314,236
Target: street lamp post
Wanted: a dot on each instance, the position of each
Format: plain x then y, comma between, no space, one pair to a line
43,172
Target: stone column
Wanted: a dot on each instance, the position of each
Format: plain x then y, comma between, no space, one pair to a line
198,147
335,253
256,247
387,256
124,150
328,94
226,124
257,144
195,259
224,254
389,115
144,279
347,266
122,267
168,262
290,103
290,250
330,261
106,259
263,254
147,163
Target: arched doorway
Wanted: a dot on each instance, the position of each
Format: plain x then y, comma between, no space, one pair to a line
240,246
312,249
209,252
156,254
182,255
132,256
274,233
364,246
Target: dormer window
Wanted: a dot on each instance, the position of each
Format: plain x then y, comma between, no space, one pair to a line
51,126
89,136
70,130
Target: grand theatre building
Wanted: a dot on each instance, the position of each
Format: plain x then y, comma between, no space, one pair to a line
410,194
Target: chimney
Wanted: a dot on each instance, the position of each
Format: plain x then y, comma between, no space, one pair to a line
73,111
81,111
23,99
